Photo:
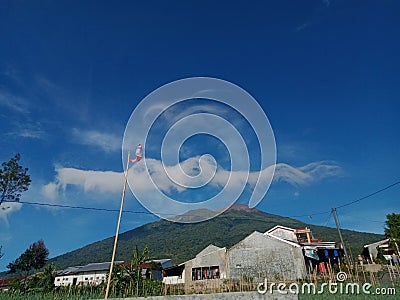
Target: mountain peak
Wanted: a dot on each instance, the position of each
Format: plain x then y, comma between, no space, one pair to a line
242,207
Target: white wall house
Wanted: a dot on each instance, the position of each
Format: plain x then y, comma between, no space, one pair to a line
91,274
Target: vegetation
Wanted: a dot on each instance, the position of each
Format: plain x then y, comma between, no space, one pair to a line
33,258
126,281
181,242
13,180
392,228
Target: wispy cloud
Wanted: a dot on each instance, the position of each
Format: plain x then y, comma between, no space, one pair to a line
302,26
8,208
319,10
33,134
327,3
14,103
26,129
107,142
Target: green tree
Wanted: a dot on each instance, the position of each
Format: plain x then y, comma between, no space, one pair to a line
40,254
34,257
127,280
47,279
392,226
13,180
392,230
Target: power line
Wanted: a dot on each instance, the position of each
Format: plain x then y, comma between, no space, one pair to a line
189,215
310,215
370,195
327,220
83,207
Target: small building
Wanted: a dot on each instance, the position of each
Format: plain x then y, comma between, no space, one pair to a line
152,269
370,251
265,256
206,268
174,274
317,253
90,274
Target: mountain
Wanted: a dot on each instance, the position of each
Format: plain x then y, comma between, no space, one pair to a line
181,242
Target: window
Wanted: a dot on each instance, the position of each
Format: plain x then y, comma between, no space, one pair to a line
202,273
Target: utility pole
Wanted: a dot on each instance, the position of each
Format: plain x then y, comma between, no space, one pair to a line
139,154
118,225
340,235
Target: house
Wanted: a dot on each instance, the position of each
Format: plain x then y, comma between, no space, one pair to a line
96,273
317,253
205,269
279,253
174,274
152,269
370,251
266,256
90,274
257,256
209,265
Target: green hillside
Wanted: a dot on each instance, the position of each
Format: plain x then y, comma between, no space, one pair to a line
181,242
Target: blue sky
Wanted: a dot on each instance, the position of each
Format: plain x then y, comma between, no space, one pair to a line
71,73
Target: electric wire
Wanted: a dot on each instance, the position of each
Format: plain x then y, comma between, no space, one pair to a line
189,215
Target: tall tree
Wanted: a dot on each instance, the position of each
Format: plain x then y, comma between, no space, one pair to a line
392,226
34,257
13,180
1,253
40,254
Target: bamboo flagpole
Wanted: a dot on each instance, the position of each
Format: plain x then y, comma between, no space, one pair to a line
136,159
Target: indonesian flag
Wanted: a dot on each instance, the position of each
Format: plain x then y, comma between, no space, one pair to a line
139,154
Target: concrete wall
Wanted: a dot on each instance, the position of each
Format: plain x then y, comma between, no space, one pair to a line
210,256
261,256
283,233
220,296
214,258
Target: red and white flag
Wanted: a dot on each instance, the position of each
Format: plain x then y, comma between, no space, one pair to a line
139,154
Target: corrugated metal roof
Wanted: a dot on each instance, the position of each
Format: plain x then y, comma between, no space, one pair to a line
103,266
165,262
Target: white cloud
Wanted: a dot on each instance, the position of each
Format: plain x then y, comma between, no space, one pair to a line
89,181
7,208
111,182
108,142
50,191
